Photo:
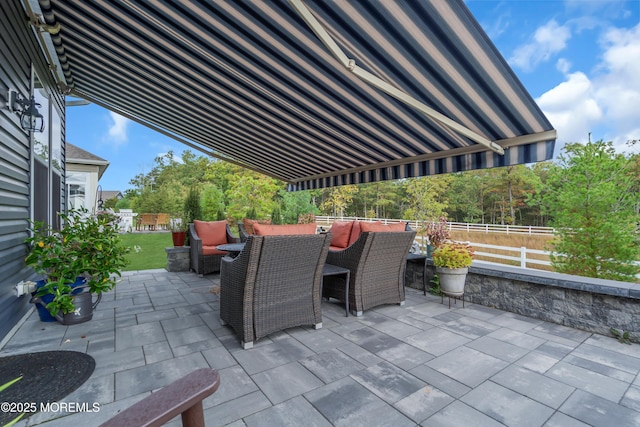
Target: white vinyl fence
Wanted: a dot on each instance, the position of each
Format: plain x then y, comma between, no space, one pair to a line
458,226
506,229
520,256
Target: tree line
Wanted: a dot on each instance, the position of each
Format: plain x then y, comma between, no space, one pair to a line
590,194
514,195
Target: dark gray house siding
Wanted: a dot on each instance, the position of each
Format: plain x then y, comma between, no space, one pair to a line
20,56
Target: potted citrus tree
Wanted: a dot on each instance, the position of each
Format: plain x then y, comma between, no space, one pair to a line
452,261
82,259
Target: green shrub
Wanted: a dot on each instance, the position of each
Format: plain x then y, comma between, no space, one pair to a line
453,255
192,207
276,216
251,214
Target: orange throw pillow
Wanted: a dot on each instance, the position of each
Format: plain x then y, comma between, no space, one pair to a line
248,224
282,230
379,227
340,231
212,233
355,232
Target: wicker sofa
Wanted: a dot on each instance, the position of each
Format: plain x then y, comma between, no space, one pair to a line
273,284
245,227
205,259
377,263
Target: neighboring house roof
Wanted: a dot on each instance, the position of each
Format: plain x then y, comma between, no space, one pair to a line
110,194
77,155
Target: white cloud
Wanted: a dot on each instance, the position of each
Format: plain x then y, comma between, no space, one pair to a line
618,85
118,128
608,101
548,40
497,26
572,108
177,157
563,65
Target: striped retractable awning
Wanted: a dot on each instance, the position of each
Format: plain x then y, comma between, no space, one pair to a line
316,93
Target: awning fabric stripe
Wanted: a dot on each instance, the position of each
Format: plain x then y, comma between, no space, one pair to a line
250,82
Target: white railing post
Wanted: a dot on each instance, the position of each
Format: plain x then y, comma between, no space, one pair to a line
523,257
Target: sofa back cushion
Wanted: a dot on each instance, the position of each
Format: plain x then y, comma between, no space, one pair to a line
341,231
355,232
248,224
212,233
281,230
380,227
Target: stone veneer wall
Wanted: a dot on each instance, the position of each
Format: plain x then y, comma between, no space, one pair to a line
592,305
178,258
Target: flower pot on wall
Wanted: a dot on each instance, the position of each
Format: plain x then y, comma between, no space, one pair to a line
452,280
178,237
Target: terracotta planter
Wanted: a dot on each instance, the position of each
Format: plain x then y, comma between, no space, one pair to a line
178,237
452,280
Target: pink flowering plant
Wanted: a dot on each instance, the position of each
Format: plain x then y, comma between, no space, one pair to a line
437,231
87,246
453,255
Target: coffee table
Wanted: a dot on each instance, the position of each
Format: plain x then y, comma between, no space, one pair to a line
233,248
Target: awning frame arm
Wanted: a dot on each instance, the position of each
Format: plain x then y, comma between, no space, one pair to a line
350,64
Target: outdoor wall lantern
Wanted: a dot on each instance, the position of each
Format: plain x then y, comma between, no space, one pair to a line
27,109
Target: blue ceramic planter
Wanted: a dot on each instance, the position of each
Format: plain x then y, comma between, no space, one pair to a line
44,314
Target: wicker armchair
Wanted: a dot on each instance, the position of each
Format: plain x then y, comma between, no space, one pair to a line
377,263
242,232
273,284
201,263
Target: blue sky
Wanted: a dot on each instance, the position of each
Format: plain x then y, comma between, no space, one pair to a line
579,59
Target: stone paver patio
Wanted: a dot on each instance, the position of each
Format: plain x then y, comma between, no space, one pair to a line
421,364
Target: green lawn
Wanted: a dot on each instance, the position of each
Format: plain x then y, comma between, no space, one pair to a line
147,250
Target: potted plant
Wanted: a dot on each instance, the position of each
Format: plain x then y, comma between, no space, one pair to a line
452,261
437,233
82,259
179,227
